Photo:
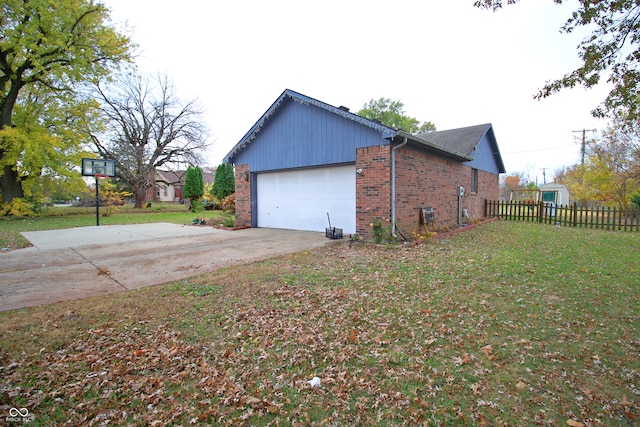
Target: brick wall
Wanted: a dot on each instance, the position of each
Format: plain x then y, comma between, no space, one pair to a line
488,189
422,180
373,187
243,196
426,180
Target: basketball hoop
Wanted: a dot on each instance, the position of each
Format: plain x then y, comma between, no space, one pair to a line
98,168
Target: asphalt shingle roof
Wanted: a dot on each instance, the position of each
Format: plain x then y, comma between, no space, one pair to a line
463,140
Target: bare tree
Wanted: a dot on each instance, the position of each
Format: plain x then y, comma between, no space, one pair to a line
146,126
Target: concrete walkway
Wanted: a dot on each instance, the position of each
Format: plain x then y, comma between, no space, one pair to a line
87,261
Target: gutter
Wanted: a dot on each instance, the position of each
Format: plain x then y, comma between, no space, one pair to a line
393,185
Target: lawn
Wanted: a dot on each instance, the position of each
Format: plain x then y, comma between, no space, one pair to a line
505,324
54,218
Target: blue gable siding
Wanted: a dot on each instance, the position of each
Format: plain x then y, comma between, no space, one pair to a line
302,135
484,157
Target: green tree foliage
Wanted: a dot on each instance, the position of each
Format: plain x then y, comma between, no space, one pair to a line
147,126
225,183
612,49
193,185
614,164
46,141
390,113
611,172
577,181
48,49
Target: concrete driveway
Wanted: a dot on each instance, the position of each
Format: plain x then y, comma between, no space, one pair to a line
87,261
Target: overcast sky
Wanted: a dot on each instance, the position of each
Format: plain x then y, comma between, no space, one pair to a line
448,62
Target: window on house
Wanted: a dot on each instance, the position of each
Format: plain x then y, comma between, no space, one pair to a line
474,180
166,191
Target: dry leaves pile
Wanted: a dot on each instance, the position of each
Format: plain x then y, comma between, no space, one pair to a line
446,333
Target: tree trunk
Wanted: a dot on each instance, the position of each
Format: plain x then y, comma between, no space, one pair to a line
139,197
10,185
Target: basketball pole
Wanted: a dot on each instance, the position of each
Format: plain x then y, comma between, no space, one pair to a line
97,205
98,168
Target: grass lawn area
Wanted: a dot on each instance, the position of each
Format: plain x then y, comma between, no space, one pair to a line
508,324
55,218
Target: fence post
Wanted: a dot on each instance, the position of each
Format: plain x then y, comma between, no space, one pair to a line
620,219
540,212
627,217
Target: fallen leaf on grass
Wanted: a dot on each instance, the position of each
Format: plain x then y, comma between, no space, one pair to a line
573,423
458,361
587,392
250,400
486,350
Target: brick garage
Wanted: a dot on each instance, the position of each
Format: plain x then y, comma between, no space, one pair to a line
311,150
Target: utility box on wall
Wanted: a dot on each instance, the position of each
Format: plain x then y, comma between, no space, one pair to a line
427,215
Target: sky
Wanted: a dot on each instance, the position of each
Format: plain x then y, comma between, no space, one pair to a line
447,62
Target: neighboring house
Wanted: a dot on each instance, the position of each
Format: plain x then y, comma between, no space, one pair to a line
168,185
304,159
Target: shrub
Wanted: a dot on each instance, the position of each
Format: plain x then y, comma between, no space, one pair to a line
18,208
635,198
225,182
193,186
381,228
111,198
229,222
228,204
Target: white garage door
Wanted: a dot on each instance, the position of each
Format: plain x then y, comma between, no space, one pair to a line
300,199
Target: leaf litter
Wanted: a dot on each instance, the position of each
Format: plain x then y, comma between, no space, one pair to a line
450,332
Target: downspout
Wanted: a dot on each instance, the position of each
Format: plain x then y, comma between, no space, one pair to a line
393,185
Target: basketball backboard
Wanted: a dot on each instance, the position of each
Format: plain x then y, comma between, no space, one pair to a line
93,167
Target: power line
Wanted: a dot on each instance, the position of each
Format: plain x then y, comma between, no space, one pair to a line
539,149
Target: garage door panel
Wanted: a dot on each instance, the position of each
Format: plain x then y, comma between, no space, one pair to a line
300,199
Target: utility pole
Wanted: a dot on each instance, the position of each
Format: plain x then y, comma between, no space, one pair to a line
544,175
583,149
